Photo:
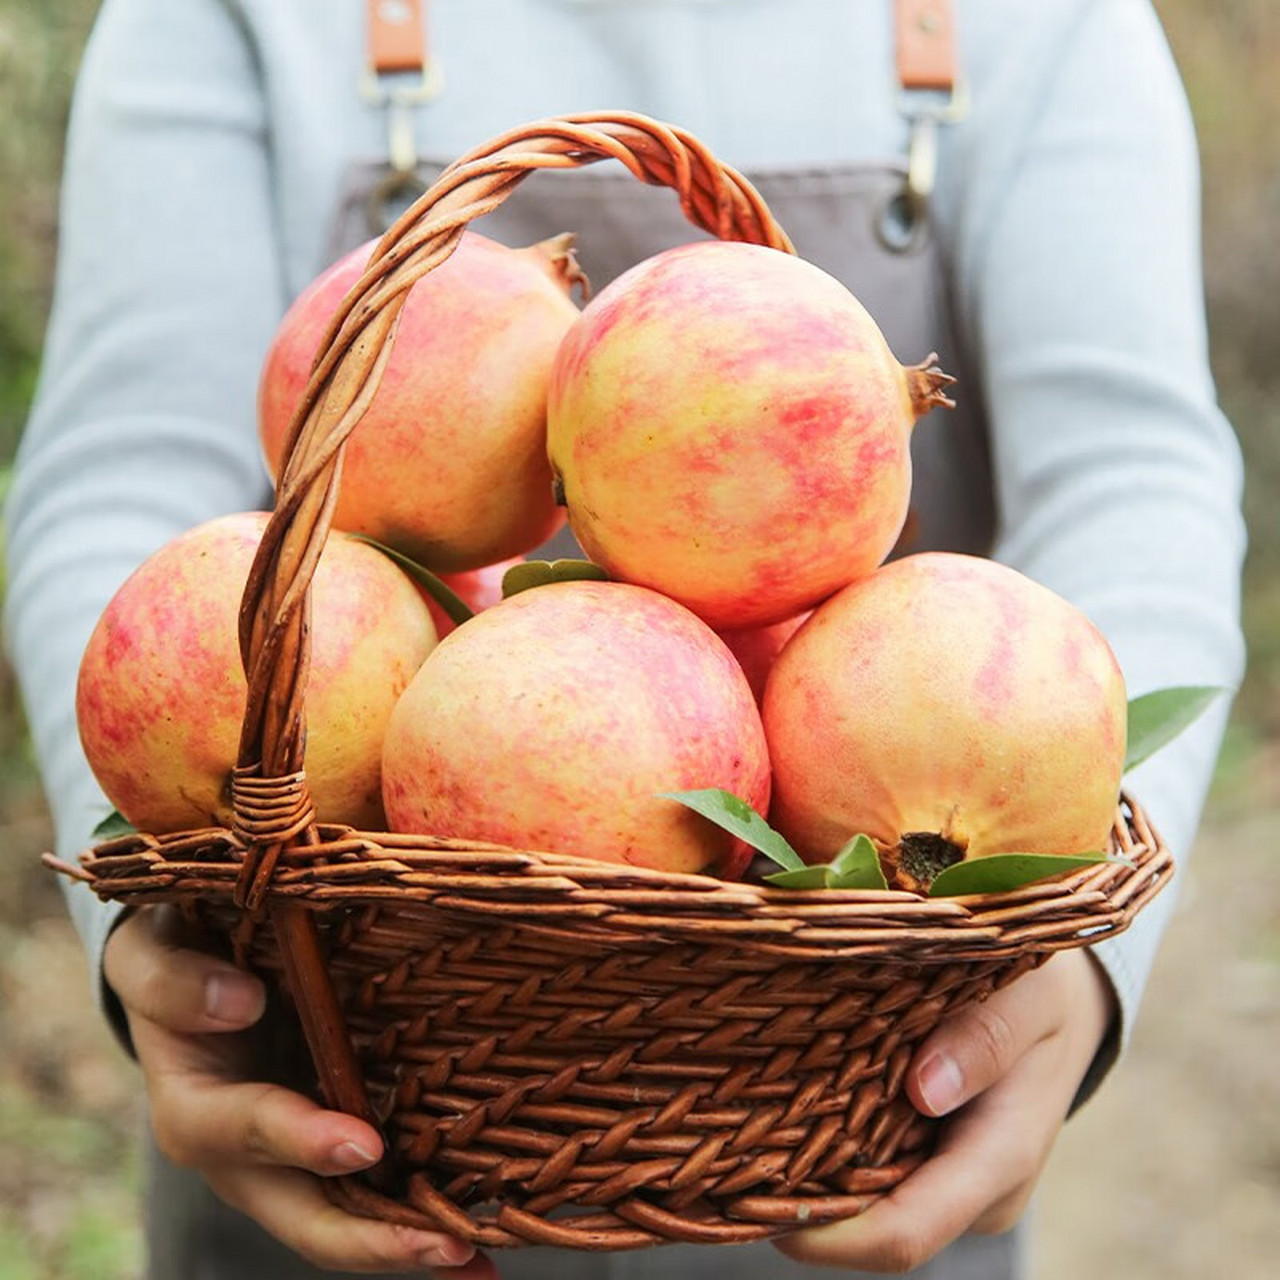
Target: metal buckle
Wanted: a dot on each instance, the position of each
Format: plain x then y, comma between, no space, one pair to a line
904,217
389,197
399,94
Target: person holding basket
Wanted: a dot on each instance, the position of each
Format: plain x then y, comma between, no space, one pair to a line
1015,189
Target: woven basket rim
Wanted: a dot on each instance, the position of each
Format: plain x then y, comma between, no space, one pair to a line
352,869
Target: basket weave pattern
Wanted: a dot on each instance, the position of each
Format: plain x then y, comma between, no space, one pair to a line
562,1051
675,1057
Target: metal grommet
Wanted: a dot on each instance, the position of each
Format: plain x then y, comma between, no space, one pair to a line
901,222
399,96
389,197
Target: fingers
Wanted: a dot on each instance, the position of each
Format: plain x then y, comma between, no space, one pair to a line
989,1158
204,1112
258,1145
293,1207
158,979
1016,1061
973,1049
201,1118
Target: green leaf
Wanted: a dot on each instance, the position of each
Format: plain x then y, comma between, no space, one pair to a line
818,877
1157,718
541,573
740,819
453,604
114,825
857,866
1003,871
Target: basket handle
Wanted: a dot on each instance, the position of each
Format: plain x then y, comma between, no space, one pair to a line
272,808
270,801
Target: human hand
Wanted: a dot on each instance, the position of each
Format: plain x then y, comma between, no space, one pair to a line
259,1146
1008,1069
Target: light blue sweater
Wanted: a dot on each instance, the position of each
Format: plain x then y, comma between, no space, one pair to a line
207,147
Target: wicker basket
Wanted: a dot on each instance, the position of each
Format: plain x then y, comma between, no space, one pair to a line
561,1051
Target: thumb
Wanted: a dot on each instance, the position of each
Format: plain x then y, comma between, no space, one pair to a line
184,990
972,1049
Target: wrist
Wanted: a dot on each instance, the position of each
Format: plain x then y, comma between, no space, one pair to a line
1100,1024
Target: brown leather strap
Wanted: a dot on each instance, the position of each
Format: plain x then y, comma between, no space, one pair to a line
925,33
926,40
397,36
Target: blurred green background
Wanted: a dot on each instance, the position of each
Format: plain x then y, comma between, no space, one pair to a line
1201,1175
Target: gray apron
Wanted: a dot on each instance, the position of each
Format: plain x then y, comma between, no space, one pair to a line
835,217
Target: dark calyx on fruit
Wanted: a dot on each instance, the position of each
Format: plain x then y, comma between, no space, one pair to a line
918,858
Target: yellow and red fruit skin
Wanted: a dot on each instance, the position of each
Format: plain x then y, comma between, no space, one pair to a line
731,429
554,720
949,694
161,692
757,648
478,589
448,465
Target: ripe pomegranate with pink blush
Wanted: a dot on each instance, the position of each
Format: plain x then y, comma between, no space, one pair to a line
757,648
161,692
553,720
949,708
728,426
478,589
448,465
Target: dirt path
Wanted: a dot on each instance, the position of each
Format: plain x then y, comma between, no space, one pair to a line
1173,1171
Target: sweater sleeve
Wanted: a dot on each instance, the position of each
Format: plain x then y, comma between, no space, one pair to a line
1078,275
166,295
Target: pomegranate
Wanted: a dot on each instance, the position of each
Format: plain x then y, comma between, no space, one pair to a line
161,691
757,648
449,463
554,720
949,708
728,426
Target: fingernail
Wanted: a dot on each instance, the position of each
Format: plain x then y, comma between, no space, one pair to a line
451,1253
349,1155
941,1084
234,1000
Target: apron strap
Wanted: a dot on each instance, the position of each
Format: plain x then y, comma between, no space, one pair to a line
397,36
398,76
931,92
925,31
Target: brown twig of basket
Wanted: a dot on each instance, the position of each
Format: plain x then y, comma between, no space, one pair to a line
562,1051
274,620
